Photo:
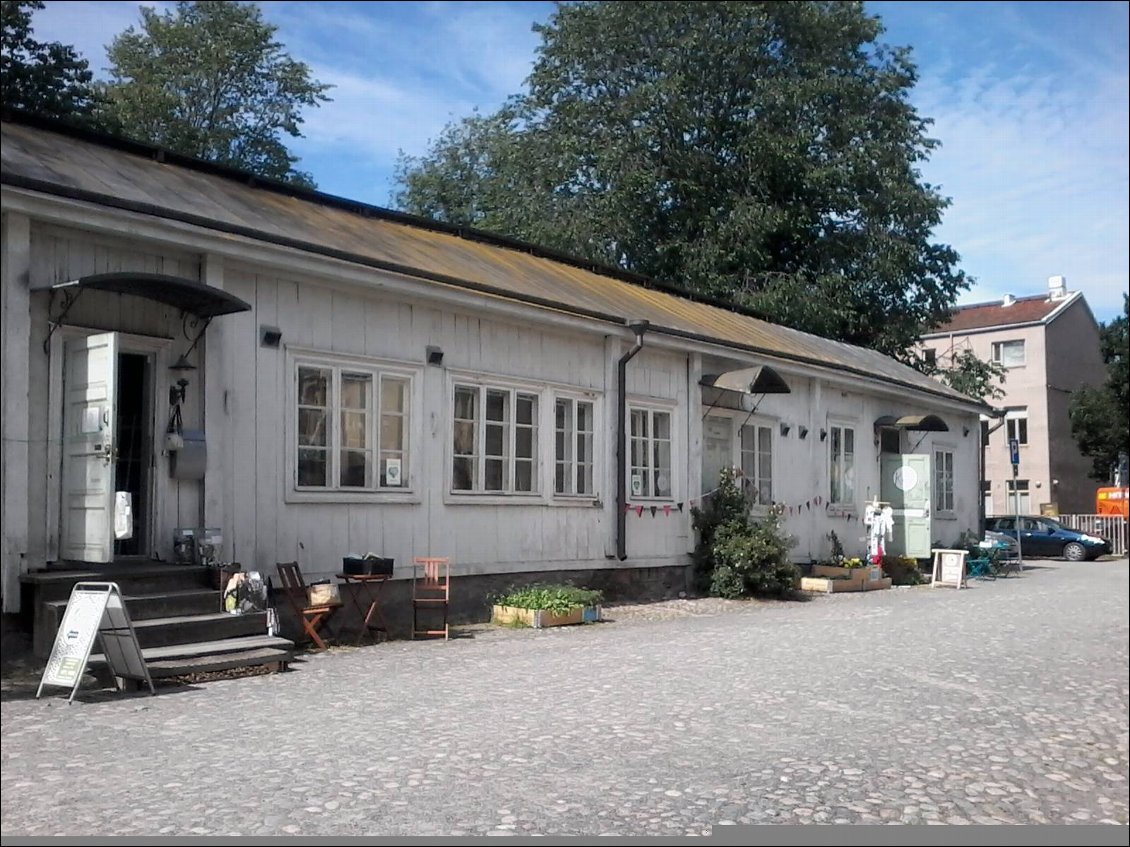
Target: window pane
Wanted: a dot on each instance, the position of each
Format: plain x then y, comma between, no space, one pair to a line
584,417
523,476
662,468
354,426
527,406
1022,430
584,479
313,386
463,474
524,443
639,423
355,468
662,424
561,413
464,439
497,403
559,478
392,432
849,441
312,466
466,403
355,391
311,427
495,475
393,394
495,440
584,447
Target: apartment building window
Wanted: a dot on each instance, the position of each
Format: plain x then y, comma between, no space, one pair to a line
573,424
351,427
1009,354
650,469
984,433
930,356
494,440
943,480
1016,425
841,464
987,496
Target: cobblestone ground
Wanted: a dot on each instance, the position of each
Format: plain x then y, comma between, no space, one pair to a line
1004,703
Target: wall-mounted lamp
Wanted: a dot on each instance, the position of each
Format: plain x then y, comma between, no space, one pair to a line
269,336
802,431
823,434
435,355
965,432
785,428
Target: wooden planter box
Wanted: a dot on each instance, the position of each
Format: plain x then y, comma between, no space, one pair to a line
824,583
539,618
856,575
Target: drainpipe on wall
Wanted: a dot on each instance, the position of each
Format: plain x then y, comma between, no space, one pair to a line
999,414
639,327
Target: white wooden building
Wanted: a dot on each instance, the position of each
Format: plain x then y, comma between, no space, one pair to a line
370,381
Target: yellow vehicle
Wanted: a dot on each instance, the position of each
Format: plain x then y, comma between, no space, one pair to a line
1112,501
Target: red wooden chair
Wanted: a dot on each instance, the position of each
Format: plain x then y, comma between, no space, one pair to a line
313,617
431,593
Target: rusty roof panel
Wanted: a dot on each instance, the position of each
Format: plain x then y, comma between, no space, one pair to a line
59,163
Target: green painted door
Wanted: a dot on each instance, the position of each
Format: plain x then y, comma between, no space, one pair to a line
906,486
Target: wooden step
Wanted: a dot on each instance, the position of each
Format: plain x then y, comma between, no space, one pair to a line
220,662
190,601
208,648
188,629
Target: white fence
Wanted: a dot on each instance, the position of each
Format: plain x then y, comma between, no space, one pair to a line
1110,527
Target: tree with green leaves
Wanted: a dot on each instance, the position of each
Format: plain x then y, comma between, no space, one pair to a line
1100,415
964,371
763,153
208,79
47,78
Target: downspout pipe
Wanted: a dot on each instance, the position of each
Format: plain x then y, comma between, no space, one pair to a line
999,415
639,327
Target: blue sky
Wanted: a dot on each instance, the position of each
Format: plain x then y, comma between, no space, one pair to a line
1029,100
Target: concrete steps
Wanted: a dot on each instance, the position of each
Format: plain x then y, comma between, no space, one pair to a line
211,656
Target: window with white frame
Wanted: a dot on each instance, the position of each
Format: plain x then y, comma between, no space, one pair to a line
943,480
494,440
757,463
841,464
352,427
573,447
649,471
1016,425
1009,354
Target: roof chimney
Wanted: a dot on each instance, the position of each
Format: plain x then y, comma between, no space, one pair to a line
1008,300
1057,287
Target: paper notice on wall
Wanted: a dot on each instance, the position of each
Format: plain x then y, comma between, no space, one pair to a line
392,472
123,515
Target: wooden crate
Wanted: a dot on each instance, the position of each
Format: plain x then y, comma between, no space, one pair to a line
536,618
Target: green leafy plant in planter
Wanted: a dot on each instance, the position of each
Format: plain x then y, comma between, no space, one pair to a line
903,570
546,605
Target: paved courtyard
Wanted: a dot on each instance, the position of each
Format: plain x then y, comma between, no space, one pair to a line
1003,703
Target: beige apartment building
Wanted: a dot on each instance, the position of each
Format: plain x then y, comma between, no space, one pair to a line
1049,344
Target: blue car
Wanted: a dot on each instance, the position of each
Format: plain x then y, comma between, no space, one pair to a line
1044,537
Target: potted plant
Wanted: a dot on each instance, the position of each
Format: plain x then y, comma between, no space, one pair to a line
539,606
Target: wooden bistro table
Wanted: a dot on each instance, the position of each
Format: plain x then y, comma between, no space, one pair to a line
368,588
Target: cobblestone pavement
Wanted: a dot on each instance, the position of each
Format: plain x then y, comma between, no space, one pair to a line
1005,703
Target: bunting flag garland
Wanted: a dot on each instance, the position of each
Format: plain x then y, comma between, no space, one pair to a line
667,509
653,510
639,511
680,506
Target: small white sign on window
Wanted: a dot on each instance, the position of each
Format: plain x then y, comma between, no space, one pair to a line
91,419
637,485
392,472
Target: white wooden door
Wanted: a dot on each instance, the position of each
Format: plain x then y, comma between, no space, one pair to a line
90,368
906,486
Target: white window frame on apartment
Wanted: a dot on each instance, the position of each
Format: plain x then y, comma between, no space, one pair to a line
512,390
843,426
573,469
377,370
997,352
650,479
1012,420
943,480
1025,497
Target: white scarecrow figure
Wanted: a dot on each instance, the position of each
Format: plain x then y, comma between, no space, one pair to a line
879,518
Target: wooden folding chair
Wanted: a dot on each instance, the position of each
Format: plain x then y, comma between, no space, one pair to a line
431,593
313,617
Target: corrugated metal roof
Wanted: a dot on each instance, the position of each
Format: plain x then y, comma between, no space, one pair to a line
132,176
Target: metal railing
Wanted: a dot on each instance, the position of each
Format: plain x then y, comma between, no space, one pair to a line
1111,527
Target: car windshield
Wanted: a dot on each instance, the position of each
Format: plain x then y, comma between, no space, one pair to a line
1056,525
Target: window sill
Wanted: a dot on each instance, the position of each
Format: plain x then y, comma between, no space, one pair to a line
577,501
945,515
470,498
304,496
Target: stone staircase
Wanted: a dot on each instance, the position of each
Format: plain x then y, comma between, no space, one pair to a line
175,611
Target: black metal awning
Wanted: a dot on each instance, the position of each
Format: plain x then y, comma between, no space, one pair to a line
915,423
197,298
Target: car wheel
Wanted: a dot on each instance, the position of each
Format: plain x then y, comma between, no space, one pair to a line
1073,551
